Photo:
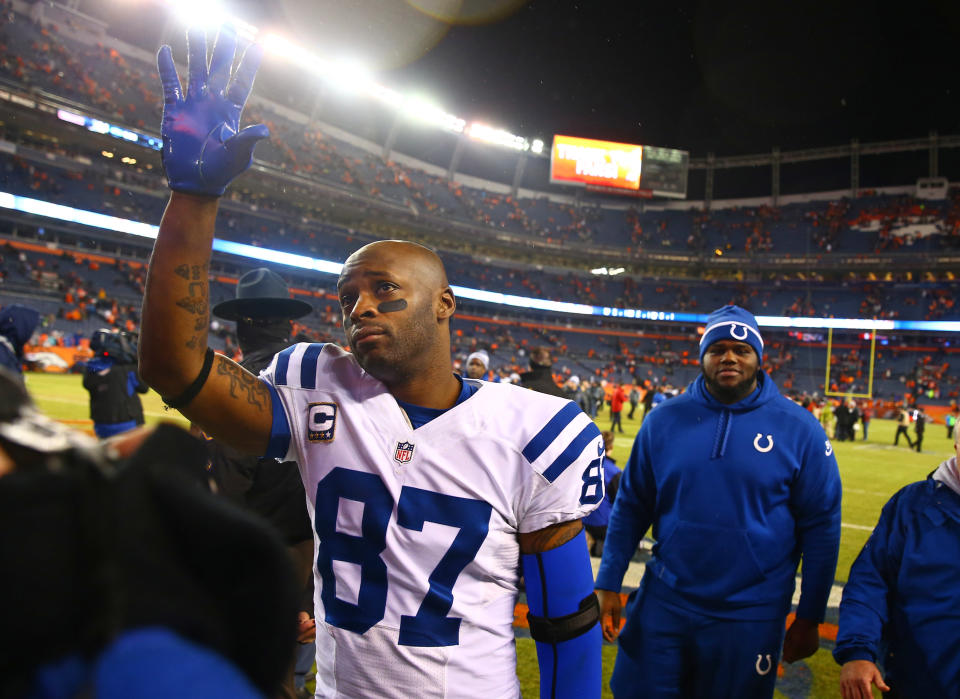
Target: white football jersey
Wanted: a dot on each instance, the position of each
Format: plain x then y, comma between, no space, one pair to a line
417,562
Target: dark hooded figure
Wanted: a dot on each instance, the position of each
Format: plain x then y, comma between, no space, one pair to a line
17,324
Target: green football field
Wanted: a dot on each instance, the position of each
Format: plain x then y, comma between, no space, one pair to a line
871,470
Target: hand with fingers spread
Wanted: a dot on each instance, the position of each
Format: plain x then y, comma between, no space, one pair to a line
203,148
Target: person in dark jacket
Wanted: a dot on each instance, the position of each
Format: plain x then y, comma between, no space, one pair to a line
899,607
740,484
113,383
17,324
540,376
845,421
123,576
634,398
596,522
264,311
919,426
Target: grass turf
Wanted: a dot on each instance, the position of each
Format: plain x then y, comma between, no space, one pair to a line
871,471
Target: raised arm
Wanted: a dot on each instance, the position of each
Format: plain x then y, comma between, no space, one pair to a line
202,152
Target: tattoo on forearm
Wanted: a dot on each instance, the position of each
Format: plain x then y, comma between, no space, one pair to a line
182,271
195,301
244,384
196,306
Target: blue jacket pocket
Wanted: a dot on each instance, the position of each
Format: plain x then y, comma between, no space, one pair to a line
708,562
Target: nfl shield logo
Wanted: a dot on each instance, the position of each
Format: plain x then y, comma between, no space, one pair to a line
404,452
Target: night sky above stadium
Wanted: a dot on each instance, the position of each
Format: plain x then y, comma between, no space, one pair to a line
729,77
732,77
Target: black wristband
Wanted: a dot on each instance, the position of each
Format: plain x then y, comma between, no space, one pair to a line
193,389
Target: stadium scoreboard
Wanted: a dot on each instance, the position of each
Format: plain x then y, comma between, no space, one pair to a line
620,168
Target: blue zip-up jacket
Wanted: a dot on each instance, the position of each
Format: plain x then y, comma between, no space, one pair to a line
900,607
736,495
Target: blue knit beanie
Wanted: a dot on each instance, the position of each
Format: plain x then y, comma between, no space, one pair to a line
732,323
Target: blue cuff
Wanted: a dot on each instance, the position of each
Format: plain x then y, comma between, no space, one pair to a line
279,443
845,655
556,582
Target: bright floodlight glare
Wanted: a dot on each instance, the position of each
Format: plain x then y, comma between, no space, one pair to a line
349,75
386,95
210,14
536,146
423,110
499,137
278,46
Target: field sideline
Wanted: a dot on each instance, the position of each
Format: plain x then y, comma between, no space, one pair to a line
871,470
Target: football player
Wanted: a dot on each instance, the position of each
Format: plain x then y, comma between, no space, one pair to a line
426,490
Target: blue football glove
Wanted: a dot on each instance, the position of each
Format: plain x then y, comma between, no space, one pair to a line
202,148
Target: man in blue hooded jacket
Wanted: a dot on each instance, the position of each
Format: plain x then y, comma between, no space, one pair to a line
900,607
739,484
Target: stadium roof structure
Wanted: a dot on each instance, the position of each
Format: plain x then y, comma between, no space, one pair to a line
729,78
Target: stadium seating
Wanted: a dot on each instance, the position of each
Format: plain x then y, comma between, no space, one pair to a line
123,88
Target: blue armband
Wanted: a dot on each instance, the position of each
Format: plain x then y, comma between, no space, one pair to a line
564,620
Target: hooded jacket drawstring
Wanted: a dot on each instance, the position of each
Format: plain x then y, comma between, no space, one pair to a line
723,434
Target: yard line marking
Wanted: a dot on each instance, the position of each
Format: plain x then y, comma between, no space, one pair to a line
866,492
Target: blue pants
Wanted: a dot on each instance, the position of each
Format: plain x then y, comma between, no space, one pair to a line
304,663
679,654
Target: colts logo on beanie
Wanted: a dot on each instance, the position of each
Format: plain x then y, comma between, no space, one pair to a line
732,323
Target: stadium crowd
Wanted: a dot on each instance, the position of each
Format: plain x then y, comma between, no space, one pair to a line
62,61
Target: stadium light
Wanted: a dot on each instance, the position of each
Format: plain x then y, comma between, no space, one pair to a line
498,137
349,75
536,146
280,47
386,95
210,14
343,74
426,111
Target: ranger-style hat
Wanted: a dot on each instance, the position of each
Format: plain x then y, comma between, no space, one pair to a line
262,293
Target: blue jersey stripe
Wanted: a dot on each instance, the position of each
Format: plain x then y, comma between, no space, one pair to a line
308,365
280,429
573,450
536,446
283,362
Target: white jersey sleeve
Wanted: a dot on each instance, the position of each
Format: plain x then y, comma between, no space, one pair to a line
565,449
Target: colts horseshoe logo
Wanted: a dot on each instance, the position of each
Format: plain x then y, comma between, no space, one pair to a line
733,333
756,443
757,665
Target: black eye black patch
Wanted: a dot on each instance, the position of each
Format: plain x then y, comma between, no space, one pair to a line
392,306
